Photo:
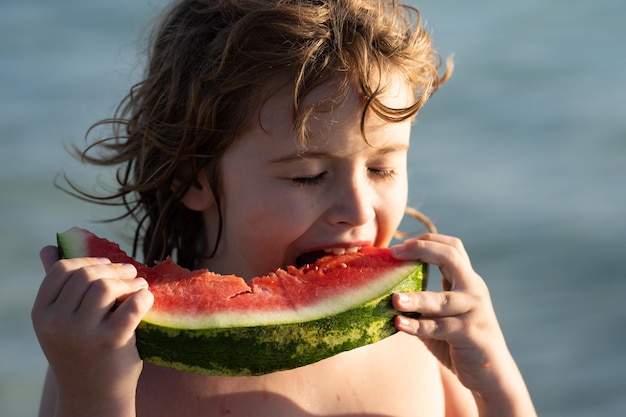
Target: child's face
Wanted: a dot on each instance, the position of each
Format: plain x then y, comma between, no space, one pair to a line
283,204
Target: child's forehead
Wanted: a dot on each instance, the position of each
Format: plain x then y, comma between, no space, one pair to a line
327,129
326,101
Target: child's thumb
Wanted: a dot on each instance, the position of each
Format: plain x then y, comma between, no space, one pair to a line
49,255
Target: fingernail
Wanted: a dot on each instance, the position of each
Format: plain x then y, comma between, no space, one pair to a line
398,249
403,321
104,260
403,298
141,283
130,269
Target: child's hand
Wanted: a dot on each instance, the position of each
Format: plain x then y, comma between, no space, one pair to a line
85,316
459,324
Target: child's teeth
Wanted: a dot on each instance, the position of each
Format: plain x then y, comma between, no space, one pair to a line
342,251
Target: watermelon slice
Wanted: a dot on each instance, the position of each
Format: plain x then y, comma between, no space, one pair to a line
220,325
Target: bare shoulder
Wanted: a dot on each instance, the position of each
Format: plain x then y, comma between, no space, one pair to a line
395,377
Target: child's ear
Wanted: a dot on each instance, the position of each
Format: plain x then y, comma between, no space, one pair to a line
199,196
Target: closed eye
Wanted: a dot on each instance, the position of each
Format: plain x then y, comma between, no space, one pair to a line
312,180
382,173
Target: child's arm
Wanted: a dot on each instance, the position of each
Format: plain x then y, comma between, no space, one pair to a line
85,316
460,327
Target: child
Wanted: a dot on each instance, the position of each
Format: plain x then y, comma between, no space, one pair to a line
306,103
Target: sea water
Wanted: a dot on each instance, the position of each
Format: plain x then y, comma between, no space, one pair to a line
522,155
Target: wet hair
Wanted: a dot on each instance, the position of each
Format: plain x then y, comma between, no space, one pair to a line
211,65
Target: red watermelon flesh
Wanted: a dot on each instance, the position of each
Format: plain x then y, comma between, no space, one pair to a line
202,299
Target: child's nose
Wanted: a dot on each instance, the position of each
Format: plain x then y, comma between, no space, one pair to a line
352,203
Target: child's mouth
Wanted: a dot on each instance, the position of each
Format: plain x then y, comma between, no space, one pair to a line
310,257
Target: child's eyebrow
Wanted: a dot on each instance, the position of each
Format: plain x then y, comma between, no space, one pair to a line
311,154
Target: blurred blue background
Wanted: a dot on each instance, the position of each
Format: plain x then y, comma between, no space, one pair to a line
522,155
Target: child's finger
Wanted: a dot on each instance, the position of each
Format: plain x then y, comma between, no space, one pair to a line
445,252
442,315
434,304
69,278
57,276
441,328
104,295
451,241
76,286
48,255
127,316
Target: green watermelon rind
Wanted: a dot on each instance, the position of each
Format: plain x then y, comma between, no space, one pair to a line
70,244
238,351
